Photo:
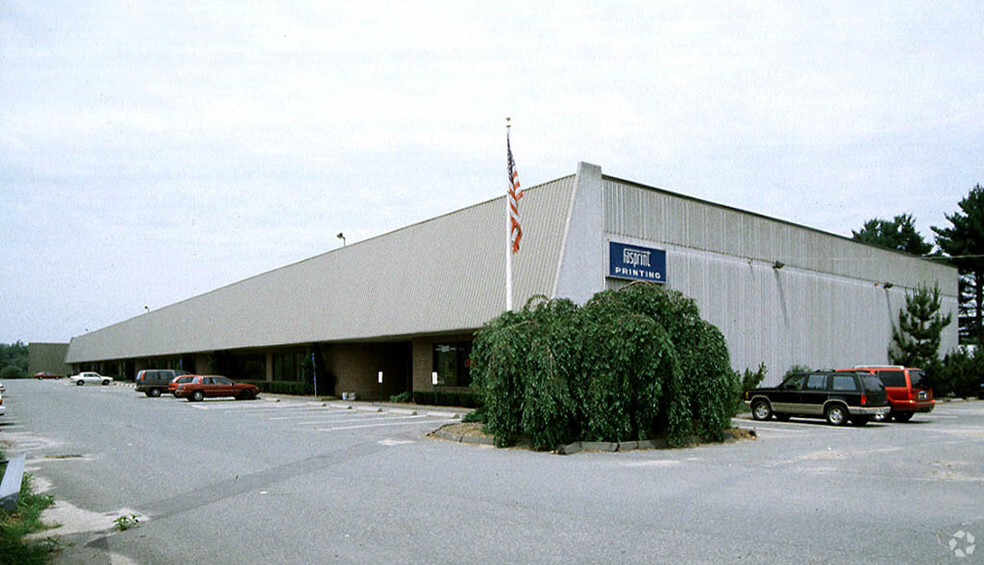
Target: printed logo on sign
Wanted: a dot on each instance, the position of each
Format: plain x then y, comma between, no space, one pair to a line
636,263
635,257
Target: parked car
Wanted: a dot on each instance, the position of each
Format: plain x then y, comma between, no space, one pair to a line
46,375
3,409
153,382
211,386
836,397
177,381
89,377
908,391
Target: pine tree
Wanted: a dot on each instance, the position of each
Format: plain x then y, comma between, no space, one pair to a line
916,338
899,234
964,243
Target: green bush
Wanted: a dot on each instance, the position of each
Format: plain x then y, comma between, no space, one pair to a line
284,387
750,380
462,398
959,374
797,369
405,396
632,364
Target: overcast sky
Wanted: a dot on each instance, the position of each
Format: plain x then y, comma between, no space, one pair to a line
153,151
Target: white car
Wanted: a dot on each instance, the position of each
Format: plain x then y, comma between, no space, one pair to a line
3,410
90,378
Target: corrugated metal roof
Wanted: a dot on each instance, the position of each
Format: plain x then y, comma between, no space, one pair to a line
442,275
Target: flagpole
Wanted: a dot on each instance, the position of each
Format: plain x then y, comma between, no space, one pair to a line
508,238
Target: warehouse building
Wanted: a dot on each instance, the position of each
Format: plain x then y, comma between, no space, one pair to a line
406,304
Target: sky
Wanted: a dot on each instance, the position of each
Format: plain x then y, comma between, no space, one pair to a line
154,151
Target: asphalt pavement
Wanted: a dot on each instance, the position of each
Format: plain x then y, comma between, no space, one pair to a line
293,480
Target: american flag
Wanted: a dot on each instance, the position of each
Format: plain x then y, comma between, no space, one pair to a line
515,193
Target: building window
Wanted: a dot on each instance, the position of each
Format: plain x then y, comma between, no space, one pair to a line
287,366
452,364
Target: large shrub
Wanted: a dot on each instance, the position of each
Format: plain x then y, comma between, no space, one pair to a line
632,364
959,374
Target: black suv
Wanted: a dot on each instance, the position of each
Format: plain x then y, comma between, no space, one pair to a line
153,382
835,396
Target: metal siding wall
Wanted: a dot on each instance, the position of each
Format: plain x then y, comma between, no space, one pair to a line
824,308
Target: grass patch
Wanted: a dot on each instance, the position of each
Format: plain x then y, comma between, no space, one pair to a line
23,520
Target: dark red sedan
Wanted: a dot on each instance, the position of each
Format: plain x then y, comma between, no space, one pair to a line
211,386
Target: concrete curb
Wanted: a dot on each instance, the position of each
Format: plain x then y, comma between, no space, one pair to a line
460,438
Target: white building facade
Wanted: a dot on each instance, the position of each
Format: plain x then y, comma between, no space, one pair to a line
408,302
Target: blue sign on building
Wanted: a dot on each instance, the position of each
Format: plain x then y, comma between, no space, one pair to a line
636,263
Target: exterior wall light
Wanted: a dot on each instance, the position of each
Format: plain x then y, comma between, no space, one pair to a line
341,236
778,265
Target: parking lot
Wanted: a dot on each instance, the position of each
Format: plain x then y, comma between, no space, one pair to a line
299,481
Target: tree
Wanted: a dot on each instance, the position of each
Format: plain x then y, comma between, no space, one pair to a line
964,244
916,338
899,234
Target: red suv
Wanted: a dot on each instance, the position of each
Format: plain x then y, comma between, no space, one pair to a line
908,391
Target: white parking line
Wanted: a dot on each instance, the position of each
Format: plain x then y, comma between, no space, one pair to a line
358,420
340,428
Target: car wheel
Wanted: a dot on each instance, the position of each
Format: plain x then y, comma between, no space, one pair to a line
903,416
246,395
761,410
154,392
79,382
105,383
836,415
860,420
198,396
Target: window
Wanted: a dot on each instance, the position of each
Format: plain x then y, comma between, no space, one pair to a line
452,364
872,383
892,378
794,383
287,366
817,382
917,379
845,383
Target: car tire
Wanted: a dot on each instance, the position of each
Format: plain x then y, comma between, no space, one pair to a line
154,392
761,410
246,395
836,415
105,383
79,382
903,416
197,396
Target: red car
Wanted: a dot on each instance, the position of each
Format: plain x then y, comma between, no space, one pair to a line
178,381
211,386
46,375
908,391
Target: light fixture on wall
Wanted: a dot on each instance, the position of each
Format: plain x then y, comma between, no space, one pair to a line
341,236
887,285
778,265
